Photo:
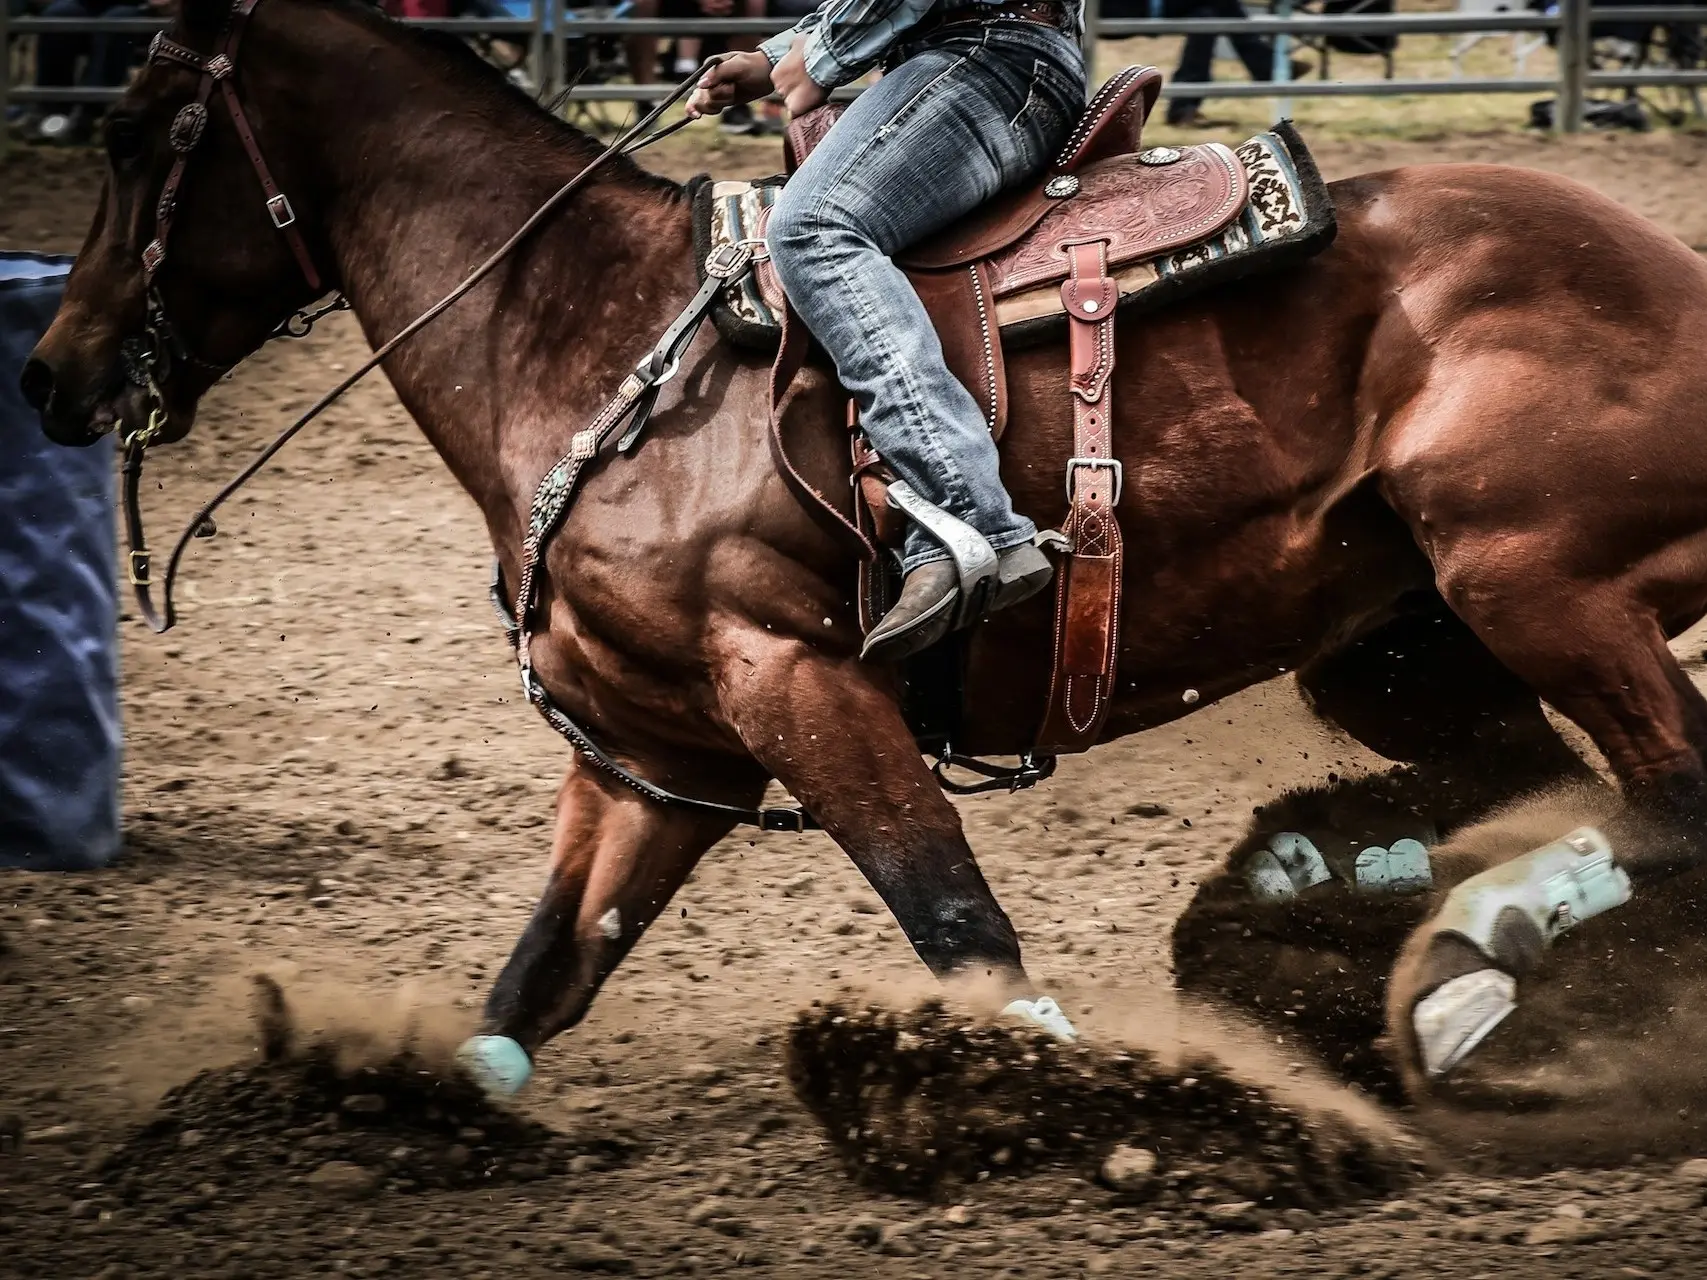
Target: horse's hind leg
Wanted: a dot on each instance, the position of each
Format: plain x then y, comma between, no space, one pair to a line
1421,690
616,861
1596,650
1425,691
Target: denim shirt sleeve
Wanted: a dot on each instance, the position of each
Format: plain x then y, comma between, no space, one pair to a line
847,38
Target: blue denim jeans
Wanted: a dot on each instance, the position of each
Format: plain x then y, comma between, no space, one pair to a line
966,112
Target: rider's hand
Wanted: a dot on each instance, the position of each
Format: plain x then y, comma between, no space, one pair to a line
737,77
800,92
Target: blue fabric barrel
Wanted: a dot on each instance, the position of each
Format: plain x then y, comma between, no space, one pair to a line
59,717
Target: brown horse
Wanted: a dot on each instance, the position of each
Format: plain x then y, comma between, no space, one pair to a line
1453,466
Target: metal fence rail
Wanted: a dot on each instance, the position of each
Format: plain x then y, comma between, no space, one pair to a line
553,26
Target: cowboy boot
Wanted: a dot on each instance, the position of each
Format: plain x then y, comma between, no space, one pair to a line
930,604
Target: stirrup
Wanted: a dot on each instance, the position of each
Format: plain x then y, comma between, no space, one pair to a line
973,556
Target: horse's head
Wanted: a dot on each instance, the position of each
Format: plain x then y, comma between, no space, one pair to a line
203,241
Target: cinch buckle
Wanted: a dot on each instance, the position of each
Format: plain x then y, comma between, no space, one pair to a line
137,570
783,820
727,261
281,212
1107,464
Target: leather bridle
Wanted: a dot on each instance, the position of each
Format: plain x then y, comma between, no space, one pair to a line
633,403
149,358
188,126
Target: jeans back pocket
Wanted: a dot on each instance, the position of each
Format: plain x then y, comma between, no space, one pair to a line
1043,120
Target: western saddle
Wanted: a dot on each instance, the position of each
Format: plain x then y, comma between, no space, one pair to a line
1069,245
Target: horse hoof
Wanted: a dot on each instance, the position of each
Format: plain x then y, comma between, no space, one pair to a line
1043,1013
1404,868
1290,865
1458,1015
498,1064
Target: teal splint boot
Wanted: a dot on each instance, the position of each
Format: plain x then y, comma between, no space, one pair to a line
1403,868
1290,865
1514,911
1044,1014
1511,914
498,1064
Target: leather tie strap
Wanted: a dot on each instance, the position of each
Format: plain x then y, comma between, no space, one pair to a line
1087,594
278,204
824,509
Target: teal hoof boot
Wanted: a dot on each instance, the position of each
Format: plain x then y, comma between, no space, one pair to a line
1404,868
498,1064
1044,1014
1458,1015
1512,912
1290,865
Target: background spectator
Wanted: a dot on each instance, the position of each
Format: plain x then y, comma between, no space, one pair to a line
97,60
642,51
1197,57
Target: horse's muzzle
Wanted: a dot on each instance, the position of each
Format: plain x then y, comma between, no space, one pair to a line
74,420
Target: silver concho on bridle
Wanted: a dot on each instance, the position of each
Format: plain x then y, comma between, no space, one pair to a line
187,127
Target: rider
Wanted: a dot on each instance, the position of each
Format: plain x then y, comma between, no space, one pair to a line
976,97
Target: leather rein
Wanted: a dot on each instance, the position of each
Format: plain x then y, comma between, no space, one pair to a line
149,360
631,406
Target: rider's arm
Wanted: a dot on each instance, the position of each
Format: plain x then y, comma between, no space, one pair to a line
847,38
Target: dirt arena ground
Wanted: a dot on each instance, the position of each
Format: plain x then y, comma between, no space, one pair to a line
329,779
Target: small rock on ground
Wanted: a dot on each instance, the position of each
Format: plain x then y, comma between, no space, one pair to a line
341,1178
1129,1169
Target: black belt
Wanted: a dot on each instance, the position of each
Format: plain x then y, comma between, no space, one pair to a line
1047,13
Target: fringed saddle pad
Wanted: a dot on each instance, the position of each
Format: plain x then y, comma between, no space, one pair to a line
1289,216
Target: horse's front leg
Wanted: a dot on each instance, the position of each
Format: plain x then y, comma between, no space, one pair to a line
828,728
616,861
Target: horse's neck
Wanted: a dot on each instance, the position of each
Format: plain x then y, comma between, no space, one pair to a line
501,381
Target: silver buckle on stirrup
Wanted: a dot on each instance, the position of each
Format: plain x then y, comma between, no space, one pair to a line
1107,464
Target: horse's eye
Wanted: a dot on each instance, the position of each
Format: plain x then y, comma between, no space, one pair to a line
124,139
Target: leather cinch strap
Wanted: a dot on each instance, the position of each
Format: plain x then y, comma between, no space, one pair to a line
1087,594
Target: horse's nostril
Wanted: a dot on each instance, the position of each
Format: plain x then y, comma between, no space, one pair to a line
36,383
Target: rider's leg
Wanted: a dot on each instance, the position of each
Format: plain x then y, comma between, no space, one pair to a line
952,125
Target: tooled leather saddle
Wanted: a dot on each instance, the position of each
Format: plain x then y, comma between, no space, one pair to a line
1109,224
